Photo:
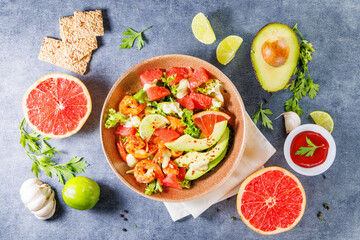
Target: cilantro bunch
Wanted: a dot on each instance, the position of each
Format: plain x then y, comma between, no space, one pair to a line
303,84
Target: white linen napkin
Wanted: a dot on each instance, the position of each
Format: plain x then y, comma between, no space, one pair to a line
257,151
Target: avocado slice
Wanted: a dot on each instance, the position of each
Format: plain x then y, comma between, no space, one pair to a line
210,158
188,144
274,55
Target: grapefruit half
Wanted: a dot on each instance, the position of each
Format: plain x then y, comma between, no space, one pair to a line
57,105
271,201
206,120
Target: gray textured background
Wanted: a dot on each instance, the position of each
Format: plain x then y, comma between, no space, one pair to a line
331,26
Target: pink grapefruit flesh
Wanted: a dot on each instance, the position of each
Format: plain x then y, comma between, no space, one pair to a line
57,105
271,201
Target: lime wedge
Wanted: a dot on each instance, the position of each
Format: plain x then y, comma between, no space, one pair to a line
227,48
150,123
202,30
323,119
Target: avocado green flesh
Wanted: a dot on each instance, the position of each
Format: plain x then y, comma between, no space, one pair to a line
188,144
214,156
271,78
196,174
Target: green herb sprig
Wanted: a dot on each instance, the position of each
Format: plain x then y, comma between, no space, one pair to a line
307,151
303,84
265,120
128,42
40,152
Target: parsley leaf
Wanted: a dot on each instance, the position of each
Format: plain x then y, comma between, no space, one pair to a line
128,42
191,129
265,120
303,84
307,151
41,153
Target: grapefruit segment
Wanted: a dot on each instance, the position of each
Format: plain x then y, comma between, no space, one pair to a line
271,201
150,76
57,105
180,73
206,120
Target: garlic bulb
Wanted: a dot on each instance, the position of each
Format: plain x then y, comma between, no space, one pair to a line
39,198
292,121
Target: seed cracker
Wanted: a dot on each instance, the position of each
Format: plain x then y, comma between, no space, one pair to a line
89,24
57,52
70,35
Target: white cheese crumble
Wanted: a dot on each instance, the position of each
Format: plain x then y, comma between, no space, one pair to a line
216,103
182,89
131,160
172,107
166,158
133,122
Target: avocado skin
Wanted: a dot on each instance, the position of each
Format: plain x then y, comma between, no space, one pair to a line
213,162
252,51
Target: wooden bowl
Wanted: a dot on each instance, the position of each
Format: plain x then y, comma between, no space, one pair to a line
130,83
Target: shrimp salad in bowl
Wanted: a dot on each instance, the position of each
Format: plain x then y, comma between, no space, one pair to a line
173,130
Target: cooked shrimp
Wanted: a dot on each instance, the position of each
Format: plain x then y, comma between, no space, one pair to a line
171,168
161,148
146,171
130,106
159,155
176,124
176,154
138,148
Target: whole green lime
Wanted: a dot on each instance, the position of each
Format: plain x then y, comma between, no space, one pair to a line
81,193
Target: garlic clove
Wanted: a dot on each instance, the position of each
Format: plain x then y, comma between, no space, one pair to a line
47,207
28,189
292,121
39,199
50,214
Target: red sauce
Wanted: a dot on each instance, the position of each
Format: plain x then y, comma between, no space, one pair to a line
319,155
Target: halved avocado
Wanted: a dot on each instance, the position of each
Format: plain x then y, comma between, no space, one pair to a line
274,54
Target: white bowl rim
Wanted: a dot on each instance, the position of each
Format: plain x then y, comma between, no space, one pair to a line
314,170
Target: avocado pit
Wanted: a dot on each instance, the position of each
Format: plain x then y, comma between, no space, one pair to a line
275,51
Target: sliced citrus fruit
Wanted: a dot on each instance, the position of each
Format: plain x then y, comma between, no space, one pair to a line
150,123
227,48
323,119
206,120
202,30
271,200
57,105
